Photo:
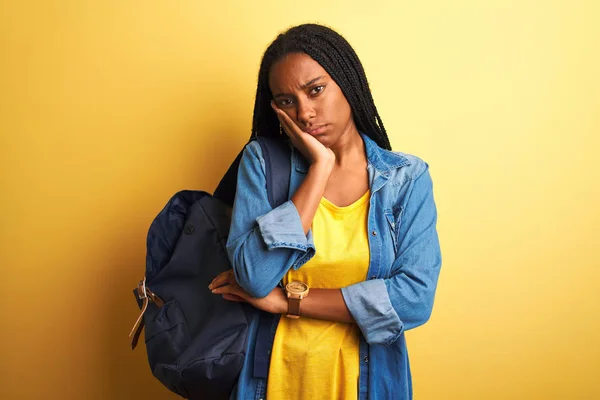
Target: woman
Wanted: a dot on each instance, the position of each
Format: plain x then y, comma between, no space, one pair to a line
355,247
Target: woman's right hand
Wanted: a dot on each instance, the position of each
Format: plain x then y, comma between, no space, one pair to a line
313,150
322,160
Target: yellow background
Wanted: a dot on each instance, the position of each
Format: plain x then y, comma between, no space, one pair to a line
109,107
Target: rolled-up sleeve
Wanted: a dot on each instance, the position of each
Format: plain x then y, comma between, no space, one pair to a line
384,308
282,227
263,243
372,311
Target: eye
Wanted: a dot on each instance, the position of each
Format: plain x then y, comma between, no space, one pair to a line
285,102
317,89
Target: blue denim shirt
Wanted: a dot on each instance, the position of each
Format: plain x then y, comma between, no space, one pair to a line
405,259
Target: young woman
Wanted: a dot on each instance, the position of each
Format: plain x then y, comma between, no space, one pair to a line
355,246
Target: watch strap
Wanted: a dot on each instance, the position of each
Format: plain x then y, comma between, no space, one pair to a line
293,307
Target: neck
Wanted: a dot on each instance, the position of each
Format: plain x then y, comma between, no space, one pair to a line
350,149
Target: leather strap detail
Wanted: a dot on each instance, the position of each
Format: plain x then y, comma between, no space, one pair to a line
155,299
145,294
293,308
138,326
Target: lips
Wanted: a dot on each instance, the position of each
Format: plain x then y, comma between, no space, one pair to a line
316,130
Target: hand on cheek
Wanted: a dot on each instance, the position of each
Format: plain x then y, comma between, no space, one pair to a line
309,146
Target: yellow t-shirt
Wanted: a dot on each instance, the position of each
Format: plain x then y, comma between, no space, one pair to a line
316,359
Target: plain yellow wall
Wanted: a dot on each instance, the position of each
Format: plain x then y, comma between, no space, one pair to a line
109,107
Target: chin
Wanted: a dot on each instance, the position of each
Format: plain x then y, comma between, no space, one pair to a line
324,140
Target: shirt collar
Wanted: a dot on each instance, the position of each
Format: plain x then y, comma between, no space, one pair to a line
382,160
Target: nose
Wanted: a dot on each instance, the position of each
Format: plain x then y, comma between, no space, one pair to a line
305,112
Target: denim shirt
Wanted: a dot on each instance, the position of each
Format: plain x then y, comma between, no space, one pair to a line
405,259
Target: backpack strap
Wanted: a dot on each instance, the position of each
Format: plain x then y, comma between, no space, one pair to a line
277,156
276,153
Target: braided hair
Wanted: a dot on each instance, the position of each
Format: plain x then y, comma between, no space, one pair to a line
337,57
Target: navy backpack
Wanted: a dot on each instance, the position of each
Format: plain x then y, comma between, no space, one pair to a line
195,340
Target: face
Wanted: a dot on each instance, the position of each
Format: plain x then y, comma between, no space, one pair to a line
310,97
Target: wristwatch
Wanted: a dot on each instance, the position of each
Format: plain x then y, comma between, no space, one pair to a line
296,291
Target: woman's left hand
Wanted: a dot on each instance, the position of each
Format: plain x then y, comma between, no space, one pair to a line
226,285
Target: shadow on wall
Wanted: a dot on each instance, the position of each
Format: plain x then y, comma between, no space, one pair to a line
125,374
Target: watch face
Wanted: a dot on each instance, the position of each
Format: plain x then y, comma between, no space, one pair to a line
296,287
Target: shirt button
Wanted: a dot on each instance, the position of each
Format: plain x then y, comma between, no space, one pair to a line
374,233
366,359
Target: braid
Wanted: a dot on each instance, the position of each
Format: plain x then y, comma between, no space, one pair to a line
337,57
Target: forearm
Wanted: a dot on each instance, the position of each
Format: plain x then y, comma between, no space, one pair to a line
263,242
257,269
309,194
326,304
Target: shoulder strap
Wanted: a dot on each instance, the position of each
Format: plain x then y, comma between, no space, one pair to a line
277,168
276,154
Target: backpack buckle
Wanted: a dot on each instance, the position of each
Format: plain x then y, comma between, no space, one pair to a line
144,292
141,289
147,296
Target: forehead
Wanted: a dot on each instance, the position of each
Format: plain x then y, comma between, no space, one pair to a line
294,70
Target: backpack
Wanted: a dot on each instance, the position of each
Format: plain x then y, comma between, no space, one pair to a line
195,340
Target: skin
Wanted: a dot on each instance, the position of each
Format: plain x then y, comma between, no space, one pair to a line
317,118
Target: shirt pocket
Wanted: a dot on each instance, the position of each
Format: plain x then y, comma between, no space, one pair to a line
393,217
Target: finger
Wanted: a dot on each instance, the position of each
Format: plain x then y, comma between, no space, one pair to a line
227,288
233,297
288,125
233,290
218,281
222,279
224,274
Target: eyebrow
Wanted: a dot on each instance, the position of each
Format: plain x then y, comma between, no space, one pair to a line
306,85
